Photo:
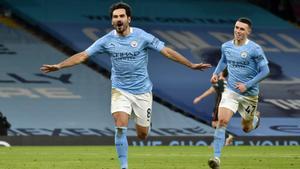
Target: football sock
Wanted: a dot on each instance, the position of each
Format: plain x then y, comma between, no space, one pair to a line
254,123
219,140
122,146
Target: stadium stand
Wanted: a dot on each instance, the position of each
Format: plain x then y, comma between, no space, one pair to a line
194,30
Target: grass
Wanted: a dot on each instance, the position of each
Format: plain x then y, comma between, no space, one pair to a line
180,157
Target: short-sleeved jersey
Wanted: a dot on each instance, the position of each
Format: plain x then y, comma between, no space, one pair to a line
129,58
243,64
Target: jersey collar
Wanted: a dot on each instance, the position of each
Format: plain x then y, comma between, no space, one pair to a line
130,29
246,42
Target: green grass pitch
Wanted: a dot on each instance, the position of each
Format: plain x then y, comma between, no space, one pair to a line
180,157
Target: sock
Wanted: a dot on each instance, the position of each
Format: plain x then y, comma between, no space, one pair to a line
255,120
122,146
219,140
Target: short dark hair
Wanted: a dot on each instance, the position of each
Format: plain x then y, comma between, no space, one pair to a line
246,21
120,5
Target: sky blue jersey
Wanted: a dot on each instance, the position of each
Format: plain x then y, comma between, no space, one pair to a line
129,58
243,64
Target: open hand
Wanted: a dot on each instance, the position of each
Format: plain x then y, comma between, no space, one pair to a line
200,66
241,87
49,68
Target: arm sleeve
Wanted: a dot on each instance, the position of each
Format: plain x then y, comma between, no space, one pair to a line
264,71
262,63
260,57
221,65
153,42
97,47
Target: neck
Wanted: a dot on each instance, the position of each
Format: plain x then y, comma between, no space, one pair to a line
125,33
240,42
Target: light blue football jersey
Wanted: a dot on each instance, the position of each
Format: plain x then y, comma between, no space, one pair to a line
129,58
243,64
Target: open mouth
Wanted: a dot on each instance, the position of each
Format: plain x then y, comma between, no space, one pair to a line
119,24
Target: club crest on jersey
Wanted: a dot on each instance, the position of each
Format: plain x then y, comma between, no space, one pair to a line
244,54
133,44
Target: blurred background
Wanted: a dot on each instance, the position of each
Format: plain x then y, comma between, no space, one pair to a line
76,101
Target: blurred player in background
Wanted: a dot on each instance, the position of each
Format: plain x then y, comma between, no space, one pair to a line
131,87
247,66
217,88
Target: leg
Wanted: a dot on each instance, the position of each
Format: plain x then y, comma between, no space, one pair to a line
214,124
229,140
121,122
247,125
225,115
251,124
121,109
142,108
219,137
121,119
142,132
249,113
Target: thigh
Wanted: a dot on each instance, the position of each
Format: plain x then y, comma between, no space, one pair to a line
248,107
229,101
142,108
120,102
225,114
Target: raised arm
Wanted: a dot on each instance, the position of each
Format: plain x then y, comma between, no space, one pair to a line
71,61
177,57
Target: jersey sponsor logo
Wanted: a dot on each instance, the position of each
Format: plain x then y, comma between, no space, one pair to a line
133,44
244,54
125,55
234,63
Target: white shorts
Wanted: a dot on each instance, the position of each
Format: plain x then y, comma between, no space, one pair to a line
245,105
140,105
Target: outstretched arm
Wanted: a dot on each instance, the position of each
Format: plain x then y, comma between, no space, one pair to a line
71,61
177,57
208,92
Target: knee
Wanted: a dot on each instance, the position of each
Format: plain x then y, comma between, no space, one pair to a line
246,129
142,135
121,119
222,123
247,126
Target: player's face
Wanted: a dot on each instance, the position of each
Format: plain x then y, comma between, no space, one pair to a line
241,31
120,21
